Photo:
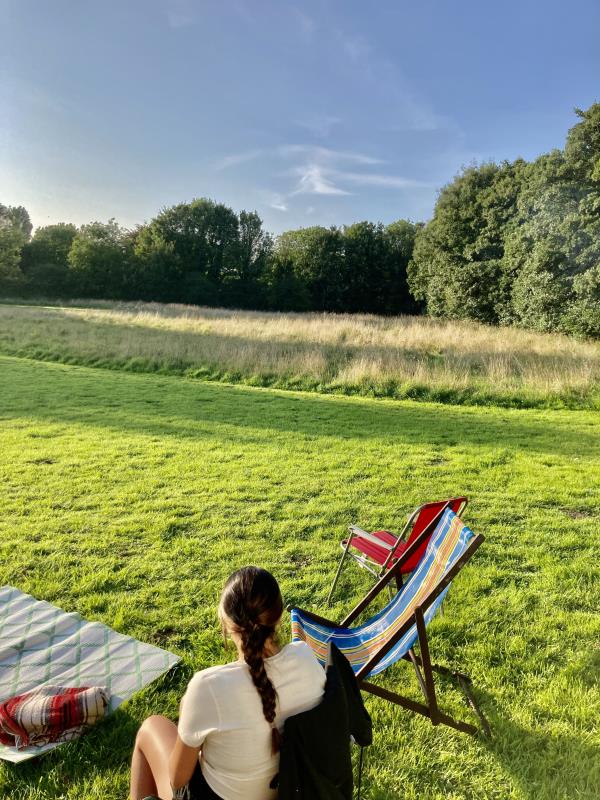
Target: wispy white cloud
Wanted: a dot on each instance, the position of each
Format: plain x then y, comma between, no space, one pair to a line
278,202
274,200
289,151
376,179
319,179
326,154
317,171
313,180
234,159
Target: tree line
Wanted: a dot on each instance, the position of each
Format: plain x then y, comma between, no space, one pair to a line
204,253
510,243
519,243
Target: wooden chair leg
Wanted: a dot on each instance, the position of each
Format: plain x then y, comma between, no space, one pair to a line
426,664
417,708
464,684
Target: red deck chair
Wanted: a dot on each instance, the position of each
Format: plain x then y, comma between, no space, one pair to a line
379,550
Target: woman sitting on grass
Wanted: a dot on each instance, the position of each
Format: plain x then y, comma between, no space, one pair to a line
227,741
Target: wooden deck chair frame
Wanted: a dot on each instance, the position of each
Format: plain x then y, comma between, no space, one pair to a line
377,570
424,669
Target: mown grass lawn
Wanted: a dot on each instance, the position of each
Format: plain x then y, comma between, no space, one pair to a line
129,498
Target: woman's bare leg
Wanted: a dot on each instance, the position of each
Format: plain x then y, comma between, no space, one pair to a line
150,761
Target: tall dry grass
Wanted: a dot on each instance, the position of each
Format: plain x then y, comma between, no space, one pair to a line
393,356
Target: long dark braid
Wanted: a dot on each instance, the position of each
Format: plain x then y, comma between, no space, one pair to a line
252,601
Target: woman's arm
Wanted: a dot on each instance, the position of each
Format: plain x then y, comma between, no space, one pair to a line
198,717
182,763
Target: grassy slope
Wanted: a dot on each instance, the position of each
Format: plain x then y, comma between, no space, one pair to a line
129,498
398,357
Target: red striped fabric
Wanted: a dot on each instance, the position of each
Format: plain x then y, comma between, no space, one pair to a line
50,714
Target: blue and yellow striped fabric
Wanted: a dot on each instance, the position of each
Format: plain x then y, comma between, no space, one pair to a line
447,544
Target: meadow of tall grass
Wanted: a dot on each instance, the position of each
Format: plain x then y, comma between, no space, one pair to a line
403,357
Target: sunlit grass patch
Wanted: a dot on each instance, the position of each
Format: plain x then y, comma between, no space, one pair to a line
130,497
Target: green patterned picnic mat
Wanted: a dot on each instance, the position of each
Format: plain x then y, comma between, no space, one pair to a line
40,643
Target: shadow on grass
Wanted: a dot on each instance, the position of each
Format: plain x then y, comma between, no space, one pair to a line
174,407
534,764
544,765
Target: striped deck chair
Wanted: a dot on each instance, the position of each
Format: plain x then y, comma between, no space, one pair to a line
378,551
392,633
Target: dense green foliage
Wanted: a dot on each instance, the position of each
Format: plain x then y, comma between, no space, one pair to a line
15,230
45,259
510,243
358,268
130,498
204,253
519,243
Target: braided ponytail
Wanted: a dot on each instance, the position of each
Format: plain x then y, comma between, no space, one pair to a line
253,643
252,601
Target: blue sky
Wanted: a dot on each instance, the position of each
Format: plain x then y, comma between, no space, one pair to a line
323,112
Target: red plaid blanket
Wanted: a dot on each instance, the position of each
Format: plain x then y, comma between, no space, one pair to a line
50,714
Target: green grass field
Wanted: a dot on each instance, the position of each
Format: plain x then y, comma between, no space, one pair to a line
130,497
